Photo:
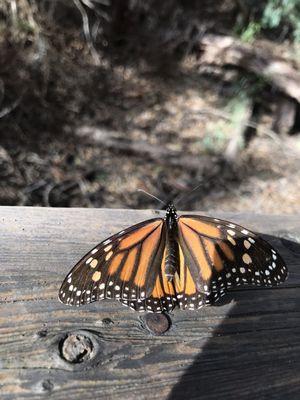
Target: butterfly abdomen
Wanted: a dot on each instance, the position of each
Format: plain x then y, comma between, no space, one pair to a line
171,259
172,250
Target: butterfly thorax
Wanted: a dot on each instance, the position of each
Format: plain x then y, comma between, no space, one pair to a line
172,251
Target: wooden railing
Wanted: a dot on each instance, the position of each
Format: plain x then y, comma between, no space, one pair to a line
247,346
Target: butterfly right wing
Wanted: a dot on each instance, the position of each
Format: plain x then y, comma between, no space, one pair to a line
219,255
124,266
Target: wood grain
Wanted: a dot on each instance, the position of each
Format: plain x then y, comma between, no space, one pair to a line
246,347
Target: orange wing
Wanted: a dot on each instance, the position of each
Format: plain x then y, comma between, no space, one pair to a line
182,290
216,255
166,295
124,266
163,296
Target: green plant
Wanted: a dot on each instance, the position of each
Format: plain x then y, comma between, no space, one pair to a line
229,128
219,133
286,12
250,32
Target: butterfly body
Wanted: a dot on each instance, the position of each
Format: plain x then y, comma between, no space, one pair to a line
188,261
172,249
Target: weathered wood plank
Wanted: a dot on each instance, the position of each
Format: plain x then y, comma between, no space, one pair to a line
247,347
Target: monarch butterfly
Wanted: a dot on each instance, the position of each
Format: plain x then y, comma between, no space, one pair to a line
187,261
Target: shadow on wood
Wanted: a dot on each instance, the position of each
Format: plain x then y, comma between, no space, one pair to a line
255,351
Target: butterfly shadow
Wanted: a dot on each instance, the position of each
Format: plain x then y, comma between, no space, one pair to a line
254,352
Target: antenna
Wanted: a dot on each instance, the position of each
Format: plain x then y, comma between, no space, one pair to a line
151,195
188,193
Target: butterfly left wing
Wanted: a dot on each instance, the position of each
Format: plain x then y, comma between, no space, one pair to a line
217,255
124,266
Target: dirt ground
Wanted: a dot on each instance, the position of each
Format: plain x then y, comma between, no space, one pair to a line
145,127
64,169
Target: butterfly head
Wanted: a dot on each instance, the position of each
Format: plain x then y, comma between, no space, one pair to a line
171,211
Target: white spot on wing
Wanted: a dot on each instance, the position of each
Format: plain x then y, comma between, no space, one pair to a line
231,240
247,244
247,259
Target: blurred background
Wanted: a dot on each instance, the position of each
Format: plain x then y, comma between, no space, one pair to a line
101,97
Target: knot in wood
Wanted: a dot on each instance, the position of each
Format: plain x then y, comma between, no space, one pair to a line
107,321
77,348
157,323
47,385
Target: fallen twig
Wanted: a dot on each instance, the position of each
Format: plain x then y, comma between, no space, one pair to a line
159,154
10,108
228,50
